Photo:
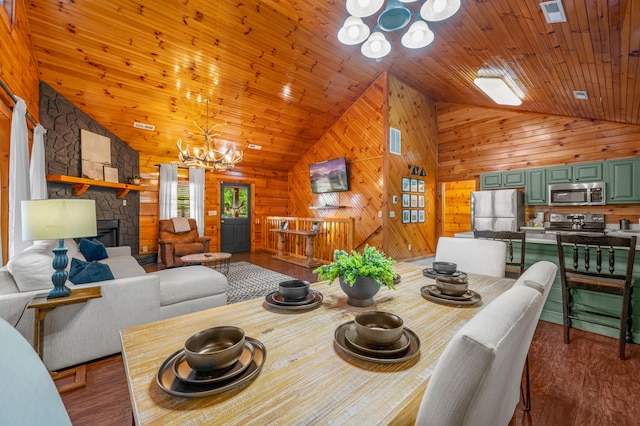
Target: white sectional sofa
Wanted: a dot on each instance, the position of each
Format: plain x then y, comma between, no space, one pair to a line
82,332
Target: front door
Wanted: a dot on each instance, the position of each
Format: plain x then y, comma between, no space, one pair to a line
235,224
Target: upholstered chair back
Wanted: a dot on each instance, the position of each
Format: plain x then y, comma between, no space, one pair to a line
28,395
477,378
473,256
173,245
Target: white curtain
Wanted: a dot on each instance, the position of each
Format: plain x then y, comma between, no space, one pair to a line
196,197
168,191
37,165
18,176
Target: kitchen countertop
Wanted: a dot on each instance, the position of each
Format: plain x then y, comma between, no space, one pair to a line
549,237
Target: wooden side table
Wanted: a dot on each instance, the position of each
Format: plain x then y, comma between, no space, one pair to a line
42,307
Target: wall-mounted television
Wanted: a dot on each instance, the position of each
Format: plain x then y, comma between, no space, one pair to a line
329,176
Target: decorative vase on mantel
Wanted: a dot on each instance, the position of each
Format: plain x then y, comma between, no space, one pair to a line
362,292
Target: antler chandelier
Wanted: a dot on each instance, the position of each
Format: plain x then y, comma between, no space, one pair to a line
210,156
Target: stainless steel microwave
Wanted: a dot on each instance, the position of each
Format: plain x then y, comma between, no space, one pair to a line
577,194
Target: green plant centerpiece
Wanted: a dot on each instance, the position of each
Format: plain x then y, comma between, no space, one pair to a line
361,274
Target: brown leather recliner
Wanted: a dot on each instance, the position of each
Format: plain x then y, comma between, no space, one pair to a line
173,245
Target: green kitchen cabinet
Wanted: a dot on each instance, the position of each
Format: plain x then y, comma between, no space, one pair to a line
507,179
491,180
588,172
623,180
535,189
583,172
513,179
559,174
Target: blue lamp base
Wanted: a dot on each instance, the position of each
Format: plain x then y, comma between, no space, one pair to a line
59,277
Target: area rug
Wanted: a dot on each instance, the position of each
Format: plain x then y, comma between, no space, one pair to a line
249,281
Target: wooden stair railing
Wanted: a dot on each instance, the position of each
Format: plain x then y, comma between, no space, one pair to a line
336,234
371,235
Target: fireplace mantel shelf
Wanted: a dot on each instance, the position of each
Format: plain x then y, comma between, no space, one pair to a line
80,185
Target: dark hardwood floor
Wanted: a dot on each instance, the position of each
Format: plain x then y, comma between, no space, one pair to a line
583,383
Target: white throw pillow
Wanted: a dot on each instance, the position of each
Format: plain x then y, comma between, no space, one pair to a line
33,267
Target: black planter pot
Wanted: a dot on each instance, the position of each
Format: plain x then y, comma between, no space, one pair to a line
362,292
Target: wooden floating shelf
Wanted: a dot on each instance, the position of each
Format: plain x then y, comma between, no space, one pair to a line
80,185
328,207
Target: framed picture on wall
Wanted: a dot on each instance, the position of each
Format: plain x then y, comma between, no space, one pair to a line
414,200
420,215
414,185
406,200
406,185
406,216
421,201
414,216
420,186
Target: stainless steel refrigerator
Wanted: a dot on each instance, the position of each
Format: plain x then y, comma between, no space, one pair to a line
498,210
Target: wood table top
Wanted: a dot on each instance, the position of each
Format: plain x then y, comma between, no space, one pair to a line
205,257
306,378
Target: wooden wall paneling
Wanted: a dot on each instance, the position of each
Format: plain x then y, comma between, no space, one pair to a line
473,140
456,206
414,114
358,135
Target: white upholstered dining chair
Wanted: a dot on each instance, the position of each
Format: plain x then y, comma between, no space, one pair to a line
28,395
477,378
486,257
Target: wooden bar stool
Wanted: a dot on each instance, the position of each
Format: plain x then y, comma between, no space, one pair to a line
514,262
577,255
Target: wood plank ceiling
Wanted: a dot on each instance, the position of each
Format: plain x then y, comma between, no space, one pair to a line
277,76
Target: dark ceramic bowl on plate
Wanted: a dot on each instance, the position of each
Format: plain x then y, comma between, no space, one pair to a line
378,328
445,267
294,290
214,348
452,286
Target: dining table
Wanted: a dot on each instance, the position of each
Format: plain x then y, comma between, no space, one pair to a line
306,377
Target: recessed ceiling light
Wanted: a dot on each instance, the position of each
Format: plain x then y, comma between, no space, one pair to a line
254,146
580,94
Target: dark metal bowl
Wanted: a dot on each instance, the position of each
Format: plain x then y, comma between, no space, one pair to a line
293,289
378,328
452,286
214,348
445,267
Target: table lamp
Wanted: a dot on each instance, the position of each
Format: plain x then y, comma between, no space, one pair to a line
58,219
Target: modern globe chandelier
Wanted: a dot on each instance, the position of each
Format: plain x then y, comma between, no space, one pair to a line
394,17
215,154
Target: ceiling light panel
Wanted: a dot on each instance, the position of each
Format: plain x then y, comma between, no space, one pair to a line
498,90
553,11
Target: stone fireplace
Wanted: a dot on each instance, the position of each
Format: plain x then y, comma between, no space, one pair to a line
63,122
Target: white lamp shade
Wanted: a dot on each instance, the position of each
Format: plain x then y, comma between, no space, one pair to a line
498,90
376,46
58,218
354,31
439,10
363,8
419,35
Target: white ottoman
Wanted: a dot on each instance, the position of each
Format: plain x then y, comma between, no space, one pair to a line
190,289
